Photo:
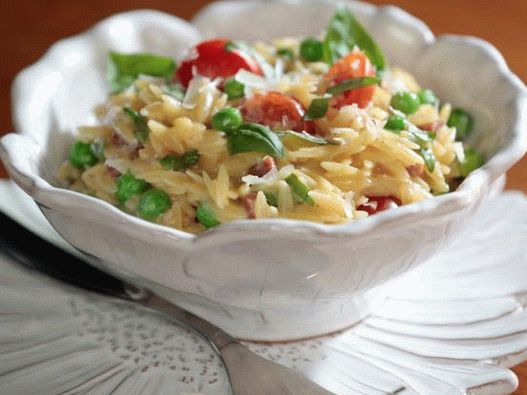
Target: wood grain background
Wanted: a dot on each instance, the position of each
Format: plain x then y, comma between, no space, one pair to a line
29,27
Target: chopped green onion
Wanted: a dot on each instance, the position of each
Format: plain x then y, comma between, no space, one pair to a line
271,198
426,96
429,158
285,53
234,89
406,102
141,129
311,49
353,83
128,186
153,203
81,155
395,123
253,137
473,160
421,137
227,119
300,190
344,33
462,121
181,162
123,69
317,108
206,216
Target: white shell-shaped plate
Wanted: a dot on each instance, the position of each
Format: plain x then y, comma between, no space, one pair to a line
452,326
269,279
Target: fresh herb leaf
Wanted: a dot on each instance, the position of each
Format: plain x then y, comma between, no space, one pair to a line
306,137
175,91
428,156
141,129
242,46
253,137
300,190
180,162
123,69
206,216
317,108
343,33
353,83
271,198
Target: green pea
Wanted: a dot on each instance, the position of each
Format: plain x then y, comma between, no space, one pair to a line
81,155
206,216
128,186
462,121
153,203
227,119
426,96
395,123
473,160
406,102
234,89
311,49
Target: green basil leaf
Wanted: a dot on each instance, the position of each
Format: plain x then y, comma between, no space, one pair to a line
123,69
141,129
242,46
317,108
181,162
307,137
343,33
271,198
300,190
206,216
253,137
353,83
428,156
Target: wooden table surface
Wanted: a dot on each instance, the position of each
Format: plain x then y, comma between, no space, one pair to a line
29,27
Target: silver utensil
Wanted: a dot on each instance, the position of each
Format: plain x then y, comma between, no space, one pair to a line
249,374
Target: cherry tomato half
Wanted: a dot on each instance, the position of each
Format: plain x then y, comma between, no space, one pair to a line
354,65
376,204
211,59
276,110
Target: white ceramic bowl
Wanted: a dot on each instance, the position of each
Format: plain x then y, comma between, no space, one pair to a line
268,279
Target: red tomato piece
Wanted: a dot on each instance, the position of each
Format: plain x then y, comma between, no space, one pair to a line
354,65
376,204
211,59
276,110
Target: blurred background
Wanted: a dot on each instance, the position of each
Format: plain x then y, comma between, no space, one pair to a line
29,27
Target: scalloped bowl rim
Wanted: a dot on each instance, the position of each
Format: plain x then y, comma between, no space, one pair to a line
46,194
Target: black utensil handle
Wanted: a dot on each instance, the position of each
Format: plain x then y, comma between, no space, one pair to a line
33,251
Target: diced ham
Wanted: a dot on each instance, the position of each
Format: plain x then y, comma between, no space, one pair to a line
415,170
262,168
376,204
112,171
249,203
432,126
118,140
